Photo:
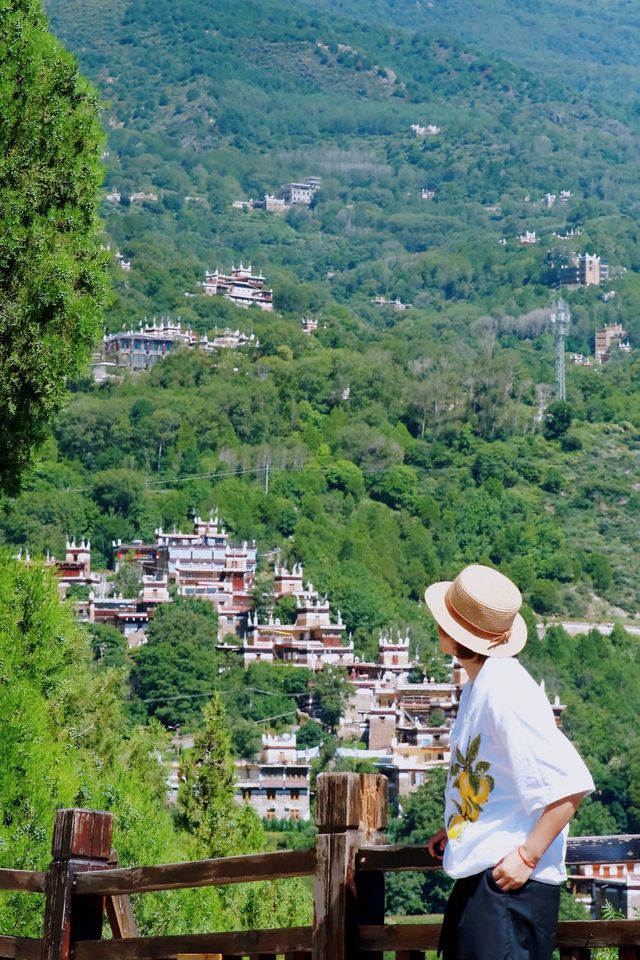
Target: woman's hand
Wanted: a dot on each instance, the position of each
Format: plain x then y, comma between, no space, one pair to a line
437,843
511,872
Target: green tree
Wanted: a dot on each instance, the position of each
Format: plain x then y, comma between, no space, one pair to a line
108,644
117,491
285,609
545,597
331,692
422,816
309,735
206,797
128,579
178,668
67,743
557,420
51,267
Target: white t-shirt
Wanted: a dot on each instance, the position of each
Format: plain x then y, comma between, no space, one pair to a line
508,762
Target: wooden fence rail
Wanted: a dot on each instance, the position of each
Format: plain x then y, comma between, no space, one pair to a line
84,884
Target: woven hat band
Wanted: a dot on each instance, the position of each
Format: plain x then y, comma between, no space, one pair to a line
495,637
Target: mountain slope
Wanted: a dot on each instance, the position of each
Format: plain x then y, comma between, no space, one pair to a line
591,49
204,108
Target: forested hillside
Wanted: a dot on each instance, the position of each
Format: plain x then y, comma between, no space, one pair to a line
591,49
204,108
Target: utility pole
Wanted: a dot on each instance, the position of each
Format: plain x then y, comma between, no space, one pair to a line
560,321
266,477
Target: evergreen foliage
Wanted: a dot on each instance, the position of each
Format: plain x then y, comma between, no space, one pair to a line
206,796
176,672
52,280
67,743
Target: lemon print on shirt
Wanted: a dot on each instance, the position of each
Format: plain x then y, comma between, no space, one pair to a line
472,780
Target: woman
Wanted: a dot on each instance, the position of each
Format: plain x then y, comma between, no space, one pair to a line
514,781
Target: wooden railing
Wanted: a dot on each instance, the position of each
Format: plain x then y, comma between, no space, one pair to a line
348,863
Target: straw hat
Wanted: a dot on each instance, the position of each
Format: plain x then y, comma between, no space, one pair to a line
479,609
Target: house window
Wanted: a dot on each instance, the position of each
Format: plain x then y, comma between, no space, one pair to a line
295,794
295,814
246,794
271,794
270,815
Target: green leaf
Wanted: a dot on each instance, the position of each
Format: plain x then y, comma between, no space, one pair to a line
472,749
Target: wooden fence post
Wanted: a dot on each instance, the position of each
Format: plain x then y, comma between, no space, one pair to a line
81,841
350,810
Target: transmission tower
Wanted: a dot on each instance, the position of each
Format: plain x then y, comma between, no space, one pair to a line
560,320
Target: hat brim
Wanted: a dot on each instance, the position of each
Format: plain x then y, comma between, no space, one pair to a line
434,597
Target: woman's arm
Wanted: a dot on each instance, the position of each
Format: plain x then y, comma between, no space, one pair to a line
513,870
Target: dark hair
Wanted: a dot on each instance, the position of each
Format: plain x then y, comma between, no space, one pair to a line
464,653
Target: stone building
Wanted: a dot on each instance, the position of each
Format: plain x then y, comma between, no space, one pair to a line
277,785
608,339
241,286
203,564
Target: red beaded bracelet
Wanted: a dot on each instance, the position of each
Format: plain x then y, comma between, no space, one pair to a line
528,863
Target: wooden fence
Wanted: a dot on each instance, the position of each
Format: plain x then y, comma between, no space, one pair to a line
83,885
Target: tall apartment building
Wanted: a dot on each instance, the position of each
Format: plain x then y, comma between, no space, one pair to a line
592,270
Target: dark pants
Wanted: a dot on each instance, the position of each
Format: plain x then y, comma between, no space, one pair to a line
481,922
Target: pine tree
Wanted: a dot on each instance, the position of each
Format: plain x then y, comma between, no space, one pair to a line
207,795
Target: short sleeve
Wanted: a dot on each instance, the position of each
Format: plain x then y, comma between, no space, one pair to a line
546,767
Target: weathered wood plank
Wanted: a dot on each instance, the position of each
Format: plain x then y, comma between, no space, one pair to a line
29,881
121,917
68,918
350,801
579,850
409,955
199,956
20,948
401,936
598,933
396,858
629,953
338,802
577,953
199,873
243,943
334,896
82,833
350,808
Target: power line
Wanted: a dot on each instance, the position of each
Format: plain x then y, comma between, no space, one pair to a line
238,471
224,693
